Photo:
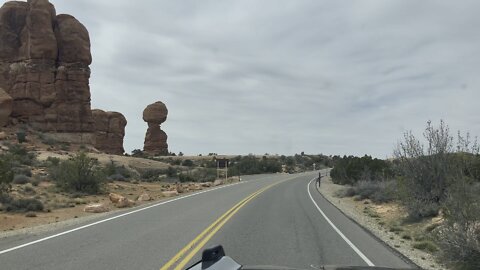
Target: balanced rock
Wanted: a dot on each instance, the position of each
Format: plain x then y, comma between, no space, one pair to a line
155,113
155,139
6,106
44,67
109,131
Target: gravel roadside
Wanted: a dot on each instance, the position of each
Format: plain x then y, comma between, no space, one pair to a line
425,260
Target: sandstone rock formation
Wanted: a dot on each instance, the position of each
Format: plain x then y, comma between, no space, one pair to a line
155,139
44,67
109,131
6,106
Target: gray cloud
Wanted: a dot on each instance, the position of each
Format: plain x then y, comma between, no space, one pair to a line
338,77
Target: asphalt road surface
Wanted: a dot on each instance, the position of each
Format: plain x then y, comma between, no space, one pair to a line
278,219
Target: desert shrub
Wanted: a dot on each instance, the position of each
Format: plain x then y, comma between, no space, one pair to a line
152,175
20,155
351,169
205,175
252,165
21,136
138,153
6,173
387,192
425,245
172,161
426,171
52,161
21,179
112,169
10,204
23,171
47,139
29,189
35,182
346,192
459,236
186,177
79,174
117,177
187,162
379,192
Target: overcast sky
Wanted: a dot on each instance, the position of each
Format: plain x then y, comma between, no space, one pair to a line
239,77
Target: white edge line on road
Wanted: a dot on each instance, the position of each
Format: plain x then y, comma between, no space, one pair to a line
364,258
111,218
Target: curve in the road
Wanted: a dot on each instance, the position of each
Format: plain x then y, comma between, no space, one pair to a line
367,260
210,231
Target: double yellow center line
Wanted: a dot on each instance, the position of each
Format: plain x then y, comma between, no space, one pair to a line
179,261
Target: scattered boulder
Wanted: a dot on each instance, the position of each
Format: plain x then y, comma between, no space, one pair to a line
197,187
169,193
3,135
145,197
207,184
6,107
115,198
109,131
155,138
124,202
96,208
217,182
179,187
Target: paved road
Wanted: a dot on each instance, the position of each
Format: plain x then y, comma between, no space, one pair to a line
280,225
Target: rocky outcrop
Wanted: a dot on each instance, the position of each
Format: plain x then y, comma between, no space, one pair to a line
44,67
6,106
109,131
155,139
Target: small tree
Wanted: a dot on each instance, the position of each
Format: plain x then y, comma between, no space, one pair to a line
459,237
427,171
79,174
187,162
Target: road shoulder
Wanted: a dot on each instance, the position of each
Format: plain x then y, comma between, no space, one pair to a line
354,210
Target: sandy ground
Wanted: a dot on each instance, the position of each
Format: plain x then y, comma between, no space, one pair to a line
61,208
378,219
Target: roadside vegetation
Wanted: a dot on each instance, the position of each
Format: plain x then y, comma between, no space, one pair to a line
433,178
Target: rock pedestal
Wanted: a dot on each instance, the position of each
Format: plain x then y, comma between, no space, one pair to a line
155,139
